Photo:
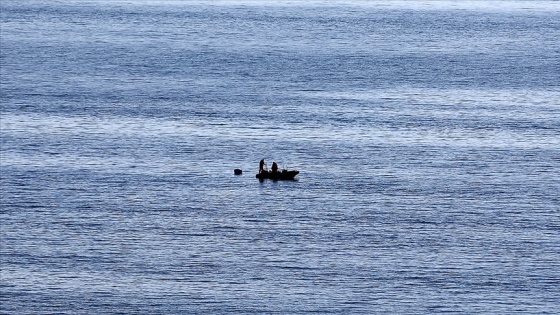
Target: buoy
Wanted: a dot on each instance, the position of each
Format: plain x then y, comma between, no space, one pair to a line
237,171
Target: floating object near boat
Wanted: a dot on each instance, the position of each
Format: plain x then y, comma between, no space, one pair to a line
237,171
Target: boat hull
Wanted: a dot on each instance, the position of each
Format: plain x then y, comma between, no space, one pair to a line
283,175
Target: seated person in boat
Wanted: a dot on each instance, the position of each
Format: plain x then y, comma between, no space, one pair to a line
274,167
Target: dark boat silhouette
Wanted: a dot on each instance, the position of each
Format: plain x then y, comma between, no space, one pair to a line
280,175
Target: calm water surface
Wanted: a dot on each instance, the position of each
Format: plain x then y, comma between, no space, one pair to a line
427,135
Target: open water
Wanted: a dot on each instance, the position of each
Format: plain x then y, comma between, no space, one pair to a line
427,134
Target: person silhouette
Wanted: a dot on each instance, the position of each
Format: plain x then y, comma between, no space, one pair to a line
261,166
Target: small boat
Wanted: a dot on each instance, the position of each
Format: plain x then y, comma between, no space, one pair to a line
281,175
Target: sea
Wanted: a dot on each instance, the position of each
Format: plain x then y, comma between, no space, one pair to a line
426,134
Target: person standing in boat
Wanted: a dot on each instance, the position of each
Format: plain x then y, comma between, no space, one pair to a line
261,166
274,167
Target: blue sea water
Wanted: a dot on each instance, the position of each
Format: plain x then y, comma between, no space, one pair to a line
426,133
